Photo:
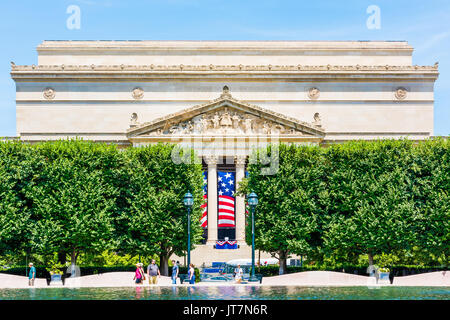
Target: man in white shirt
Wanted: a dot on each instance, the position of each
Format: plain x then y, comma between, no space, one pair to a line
239,274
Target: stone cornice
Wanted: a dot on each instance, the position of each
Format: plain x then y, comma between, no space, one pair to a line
236,72
213,45
214,68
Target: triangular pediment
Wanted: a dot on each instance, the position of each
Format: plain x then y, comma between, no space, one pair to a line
225,116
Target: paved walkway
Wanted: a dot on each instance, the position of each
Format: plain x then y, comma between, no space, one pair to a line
308,278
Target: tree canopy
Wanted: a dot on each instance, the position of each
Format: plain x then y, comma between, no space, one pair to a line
290,201
157,220
365,197
379,198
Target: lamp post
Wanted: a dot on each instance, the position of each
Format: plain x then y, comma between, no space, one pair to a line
253,202
188,202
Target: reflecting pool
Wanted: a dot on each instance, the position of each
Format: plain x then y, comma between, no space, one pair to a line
229,292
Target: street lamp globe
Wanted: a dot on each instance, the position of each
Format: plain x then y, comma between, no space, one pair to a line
252,199
188,200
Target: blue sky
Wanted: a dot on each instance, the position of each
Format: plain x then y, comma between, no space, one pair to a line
424,24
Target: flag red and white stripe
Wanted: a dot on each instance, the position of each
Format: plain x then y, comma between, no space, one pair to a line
204,206
226,199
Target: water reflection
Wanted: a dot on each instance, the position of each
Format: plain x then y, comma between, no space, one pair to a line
227,292
32,293
138,292
174,290
190,292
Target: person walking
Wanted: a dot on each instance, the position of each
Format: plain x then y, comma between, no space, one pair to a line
191,274
153,272
141,266
31,275
239,274
138,274
175,270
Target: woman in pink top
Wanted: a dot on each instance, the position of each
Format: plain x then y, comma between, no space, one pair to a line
138,274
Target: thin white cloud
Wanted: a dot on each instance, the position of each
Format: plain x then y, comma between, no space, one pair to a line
433,41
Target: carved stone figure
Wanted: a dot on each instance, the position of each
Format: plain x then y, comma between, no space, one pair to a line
317,121
49,93
266,127
134,118
277,129
401,93
313,93
158,132
236,119
188,127
198,127
138,93
222,121
225,92
248,124
204,123
216,120
175,129
226,119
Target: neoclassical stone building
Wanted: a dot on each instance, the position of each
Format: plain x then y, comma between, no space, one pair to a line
224,98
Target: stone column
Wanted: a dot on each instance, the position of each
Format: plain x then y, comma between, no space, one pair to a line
212,198
240,201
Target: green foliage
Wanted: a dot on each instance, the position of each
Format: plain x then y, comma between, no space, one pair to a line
78,197
53,266
72,200
109,258
290,207
385,259
388,196
388,199
19,168
156,221
371,206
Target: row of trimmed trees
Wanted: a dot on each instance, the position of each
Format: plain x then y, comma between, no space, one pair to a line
72,197
346,200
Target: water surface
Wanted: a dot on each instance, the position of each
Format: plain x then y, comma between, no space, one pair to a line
228,293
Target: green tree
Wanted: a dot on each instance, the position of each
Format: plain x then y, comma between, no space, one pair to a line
19,168
157,219
290,201
429,176
72,201
371,208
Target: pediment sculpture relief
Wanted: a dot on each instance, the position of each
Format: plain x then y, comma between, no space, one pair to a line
224,122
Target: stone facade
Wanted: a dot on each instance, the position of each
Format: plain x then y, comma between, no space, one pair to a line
224,93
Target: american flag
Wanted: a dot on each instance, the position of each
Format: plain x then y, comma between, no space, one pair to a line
225,190
204,206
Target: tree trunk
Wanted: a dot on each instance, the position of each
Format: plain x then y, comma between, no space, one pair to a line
370,259
73,257
371,268
259,260
164,265
283,263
